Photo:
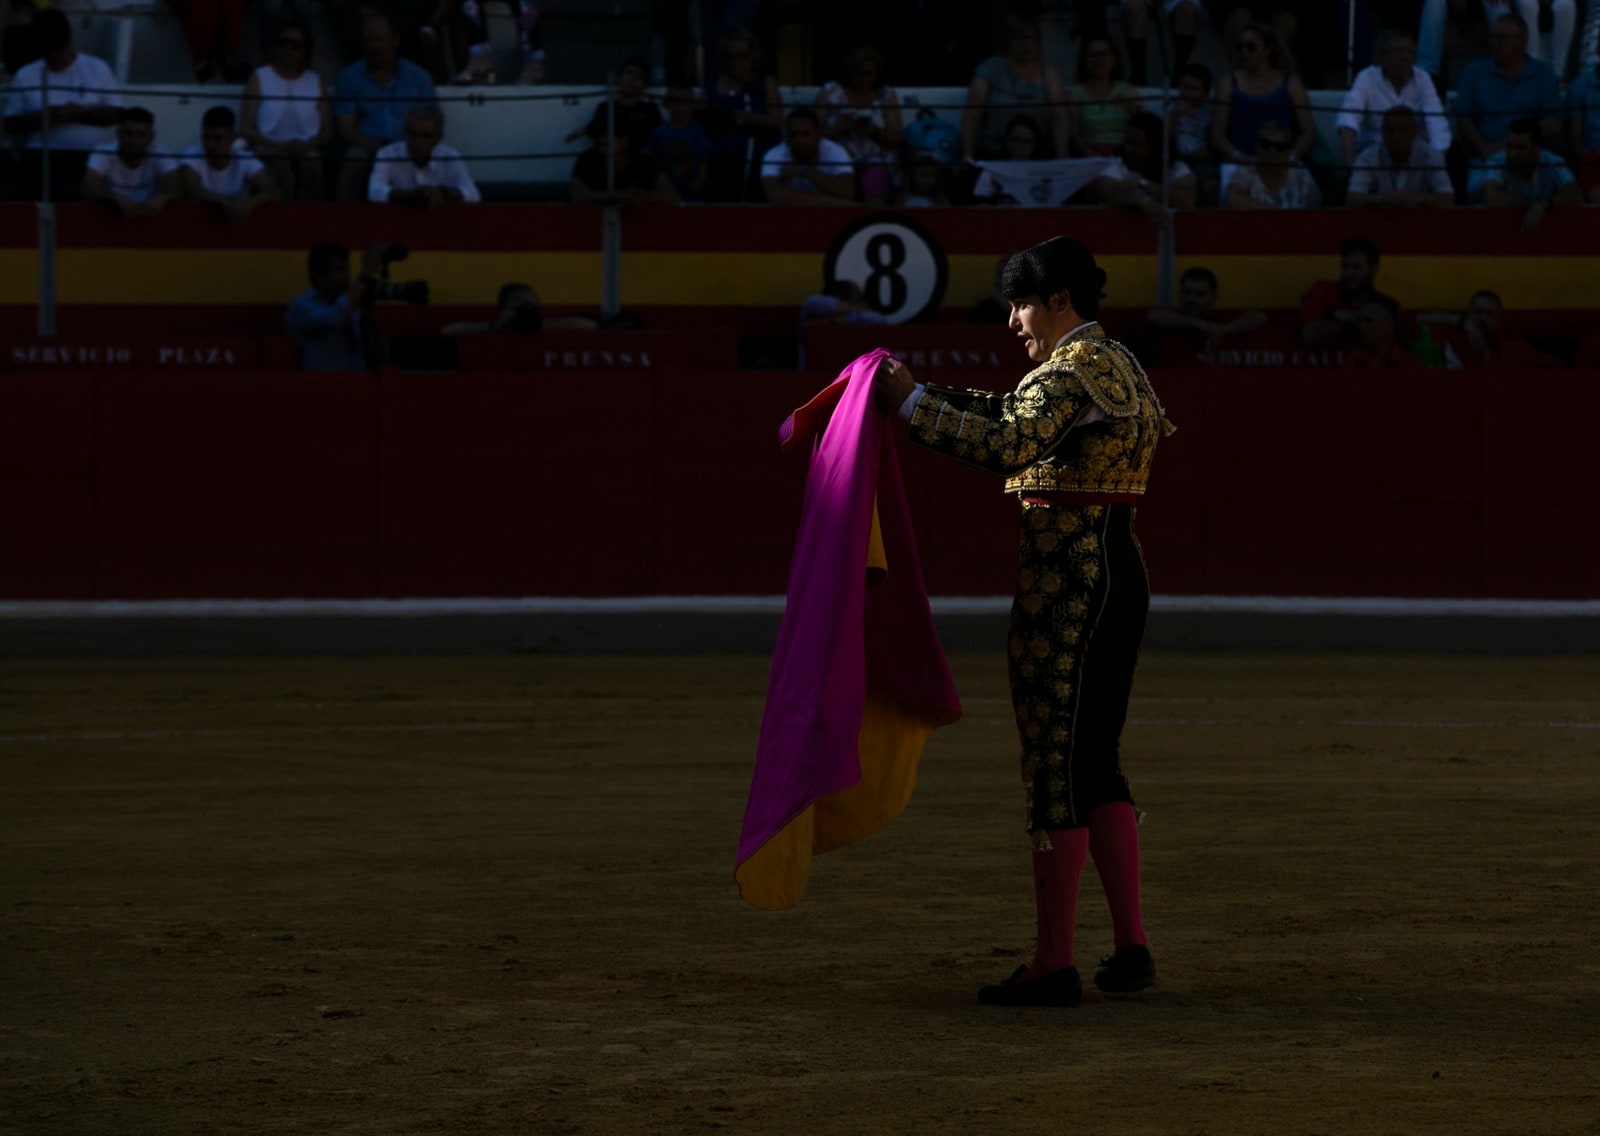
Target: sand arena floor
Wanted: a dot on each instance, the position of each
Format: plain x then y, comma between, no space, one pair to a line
465,895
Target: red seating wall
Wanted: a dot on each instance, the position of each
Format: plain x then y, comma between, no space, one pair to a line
150,484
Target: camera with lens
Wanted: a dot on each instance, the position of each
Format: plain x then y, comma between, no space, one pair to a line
403,291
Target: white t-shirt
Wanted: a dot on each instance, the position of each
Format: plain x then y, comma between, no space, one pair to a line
832,158
1118,171
137,183
233,180
392,169
86,81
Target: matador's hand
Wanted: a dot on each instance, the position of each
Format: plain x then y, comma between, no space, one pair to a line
893,382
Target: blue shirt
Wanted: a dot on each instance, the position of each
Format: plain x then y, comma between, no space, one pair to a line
381,110
1491,101
1548,176
1583,104
327,333
680,152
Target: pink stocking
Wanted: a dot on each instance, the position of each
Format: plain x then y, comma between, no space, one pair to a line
1114,841
1055,893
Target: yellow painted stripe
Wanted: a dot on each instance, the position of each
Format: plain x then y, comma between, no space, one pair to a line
742,279
262,276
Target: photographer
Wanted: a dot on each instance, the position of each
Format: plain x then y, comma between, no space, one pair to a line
332,322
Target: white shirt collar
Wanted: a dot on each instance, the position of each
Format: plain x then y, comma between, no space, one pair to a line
1070,334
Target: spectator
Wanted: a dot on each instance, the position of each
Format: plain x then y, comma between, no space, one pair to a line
1276,179
84,103
233,180
1328,309
635,179
1526,175
743,114
1189,127
1472,339
635,115
1264,89
1135,182
1017,82
1393,81
370,102
1021,145
1402,170
681,148
1552,23
925,182
517,310
1492,92
331,323
421,28
215,31
421,170
1135,29
806,168
862,114
127,174
1195,326
1375,331
480,54
284,115
1583,128
1435,13
1102,102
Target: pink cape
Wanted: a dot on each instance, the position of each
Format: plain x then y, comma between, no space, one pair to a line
859,679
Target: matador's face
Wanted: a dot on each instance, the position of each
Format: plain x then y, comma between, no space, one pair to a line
1040,322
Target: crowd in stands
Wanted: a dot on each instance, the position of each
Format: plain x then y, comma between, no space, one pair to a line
1345,320
1242,139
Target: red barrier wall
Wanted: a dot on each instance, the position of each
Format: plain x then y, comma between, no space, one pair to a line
155,484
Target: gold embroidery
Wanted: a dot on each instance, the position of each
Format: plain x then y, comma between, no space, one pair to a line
1029,435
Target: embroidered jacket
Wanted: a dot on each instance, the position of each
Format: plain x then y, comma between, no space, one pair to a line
1032,436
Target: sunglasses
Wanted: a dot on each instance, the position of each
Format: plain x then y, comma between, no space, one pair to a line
1275,147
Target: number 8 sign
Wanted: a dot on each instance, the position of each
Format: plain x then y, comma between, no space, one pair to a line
900,269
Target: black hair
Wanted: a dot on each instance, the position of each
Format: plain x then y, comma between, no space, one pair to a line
291,24
1060,264
1204,275
855,57
1487,294
1526,126
1083,57
639,63
1509,16
321,258
1365,245
51,30
804,112
218,117
1198,71
137,114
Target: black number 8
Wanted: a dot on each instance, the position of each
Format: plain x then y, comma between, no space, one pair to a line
885,253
